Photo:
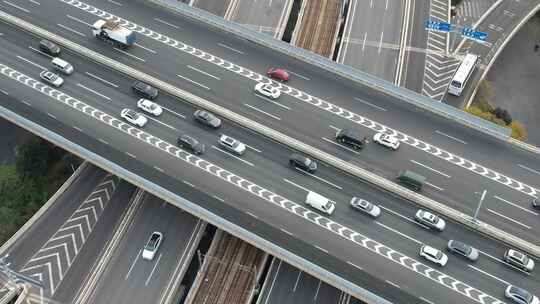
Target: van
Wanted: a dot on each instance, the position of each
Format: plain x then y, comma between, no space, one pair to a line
351,137
62,66
411,180
320,202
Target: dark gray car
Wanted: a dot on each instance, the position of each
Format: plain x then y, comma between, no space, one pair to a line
207,119
189,143
463,249
145,90
303,163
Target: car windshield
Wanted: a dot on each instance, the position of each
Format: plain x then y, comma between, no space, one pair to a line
430,217
150,105
152,243
462,247
365,205
522,293
438,255
328,205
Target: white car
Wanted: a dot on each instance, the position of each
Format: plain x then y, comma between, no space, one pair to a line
434,255
430,220
133,117
386,140
51,78
152,246
232,145
520,295
365,206
149,106
267,90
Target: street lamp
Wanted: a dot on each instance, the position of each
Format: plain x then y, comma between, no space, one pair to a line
479,205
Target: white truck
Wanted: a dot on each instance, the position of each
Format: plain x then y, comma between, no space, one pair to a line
108,30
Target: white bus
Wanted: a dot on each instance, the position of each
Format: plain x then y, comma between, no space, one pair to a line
462,75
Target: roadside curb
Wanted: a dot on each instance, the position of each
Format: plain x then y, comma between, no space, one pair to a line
14,238
361,173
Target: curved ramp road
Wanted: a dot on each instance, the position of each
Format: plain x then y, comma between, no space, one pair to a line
299,210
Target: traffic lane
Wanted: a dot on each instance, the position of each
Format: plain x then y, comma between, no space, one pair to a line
216,8
22,250
76,277
165,182
261,16
415,61
132,279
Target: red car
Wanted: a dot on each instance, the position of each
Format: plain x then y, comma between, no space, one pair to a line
279,74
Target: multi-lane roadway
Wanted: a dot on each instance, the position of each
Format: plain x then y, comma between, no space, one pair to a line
225,185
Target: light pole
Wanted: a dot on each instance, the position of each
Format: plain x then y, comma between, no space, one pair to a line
479,205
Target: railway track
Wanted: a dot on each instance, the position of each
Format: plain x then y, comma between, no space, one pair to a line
318,27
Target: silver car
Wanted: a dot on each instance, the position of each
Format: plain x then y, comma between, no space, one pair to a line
520,295
463,249
231,144
51,78
518,259
365,206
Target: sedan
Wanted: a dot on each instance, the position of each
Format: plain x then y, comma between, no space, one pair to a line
277,73
189,143
463,249
429,219
434,255
152,245
518,259
386,140
207,119
51,78
133,117
150,107
267,90
365,206
232,145
520,295
303,163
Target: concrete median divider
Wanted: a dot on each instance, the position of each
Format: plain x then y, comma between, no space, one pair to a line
340,164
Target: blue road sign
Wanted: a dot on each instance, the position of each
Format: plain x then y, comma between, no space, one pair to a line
472,34
438,26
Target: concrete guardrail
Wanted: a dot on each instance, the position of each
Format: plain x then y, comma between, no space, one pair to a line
282,138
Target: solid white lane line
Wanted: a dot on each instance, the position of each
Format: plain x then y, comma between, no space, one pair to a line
153,269
335,128
429,168
232,155
296,74
251,214
162,123
194,82
167,23
31,62
101,79
145,48
371,3
321,179
270,100
380,42
490,256
130,155
398,232
230,48
509,218
133,264
339,145
71,30
263,112
426,300
364,41
296,185
218,198
54,117
489,274
317,291
392,283
452,137
369,104
189,184
93,91
78,129
436,187
321,249
515,205
114,2
297,280
386,6
354,265
273,282
203,72
130,55
78,20
287,232
16,6
398,214
159,169
103,141
26,103
4,92
35,2
528,169
173,112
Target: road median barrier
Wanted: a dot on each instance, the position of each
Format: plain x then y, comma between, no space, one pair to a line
340,164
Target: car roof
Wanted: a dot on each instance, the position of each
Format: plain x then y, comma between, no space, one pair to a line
516,254
461,246
430,250
351,133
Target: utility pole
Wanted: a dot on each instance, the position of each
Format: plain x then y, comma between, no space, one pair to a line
479,206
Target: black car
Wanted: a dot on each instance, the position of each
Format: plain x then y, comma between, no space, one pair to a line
49,48
303,163
535,203
189,143
351,138
145,90
207,119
